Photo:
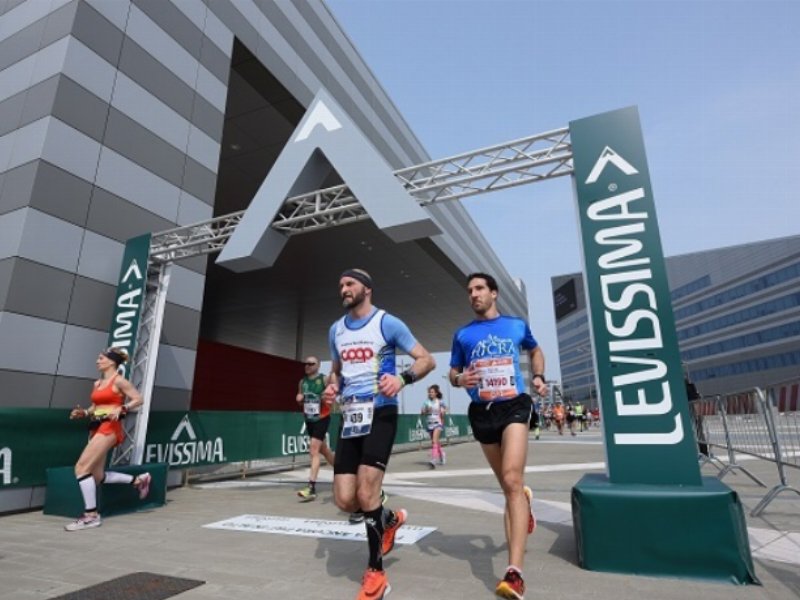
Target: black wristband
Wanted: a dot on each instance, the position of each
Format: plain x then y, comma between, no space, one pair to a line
408,377
540,376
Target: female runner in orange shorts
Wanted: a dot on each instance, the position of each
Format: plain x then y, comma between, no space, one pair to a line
105,432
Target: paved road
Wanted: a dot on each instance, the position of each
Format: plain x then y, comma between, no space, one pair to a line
460,560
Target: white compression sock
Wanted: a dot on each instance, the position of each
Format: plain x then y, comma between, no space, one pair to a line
88,491
114,477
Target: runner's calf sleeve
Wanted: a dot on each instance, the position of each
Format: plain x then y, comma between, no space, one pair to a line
373,521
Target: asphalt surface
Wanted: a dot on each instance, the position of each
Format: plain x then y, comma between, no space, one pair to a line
461,559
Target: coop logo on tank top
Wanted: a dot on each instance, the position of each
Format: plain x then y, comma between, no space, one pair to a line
357,355
188,451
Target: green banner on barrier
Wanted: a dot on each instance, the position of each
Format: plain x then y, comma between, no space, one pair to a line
180,439
411,428
184,439
35,439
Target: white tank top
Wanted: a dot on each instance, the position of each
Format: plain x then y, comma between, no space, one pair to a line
361,352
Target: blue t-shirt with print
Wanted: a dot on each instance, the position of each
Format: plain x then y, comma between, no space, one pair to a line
492,346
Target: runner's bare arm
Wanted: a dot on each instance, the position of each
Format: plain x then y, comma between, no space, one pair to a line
332,386
423,364
537,368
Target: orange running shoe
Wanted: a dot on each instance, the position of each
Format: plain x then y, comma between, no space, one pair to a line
511,586
374,586
532,518
400,517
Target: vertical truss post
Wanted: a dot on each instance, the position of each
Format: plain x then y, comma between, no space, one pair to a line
143,363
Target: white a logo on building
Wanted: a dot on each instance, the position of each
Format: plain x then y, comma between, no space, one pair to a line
185,449
5,466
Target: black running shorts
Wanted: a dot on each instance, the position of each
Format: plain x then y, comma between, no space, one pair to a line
318,429
489,419
372,449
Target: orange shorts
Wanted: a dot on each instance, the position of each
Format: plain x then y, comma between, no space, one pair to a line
109,428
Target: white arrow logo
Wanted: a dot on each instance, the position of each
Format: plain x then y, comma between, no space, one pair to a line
609,156
133,269
320,115
184,425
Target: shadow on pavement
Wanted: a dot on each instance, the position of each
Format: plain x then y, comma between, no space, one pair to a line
477,550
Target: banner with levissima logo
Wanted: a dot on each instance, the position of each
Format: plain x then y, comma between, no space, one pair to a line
180,438
130,295
647,428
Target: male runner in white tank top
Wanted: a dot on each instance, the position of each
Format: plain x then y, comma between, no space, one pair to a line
363,371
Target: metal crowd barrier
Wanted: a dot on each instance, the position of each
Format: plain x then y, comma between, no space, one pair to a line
760,423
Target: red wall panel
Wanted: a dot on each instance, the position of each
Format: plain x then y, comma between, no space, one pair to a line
231,378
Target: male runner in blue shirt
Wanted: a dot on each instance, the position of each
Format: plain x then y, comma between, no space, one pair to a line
485,361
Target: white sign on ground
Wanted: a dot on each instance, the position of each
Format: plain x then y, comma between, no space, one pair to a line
316,528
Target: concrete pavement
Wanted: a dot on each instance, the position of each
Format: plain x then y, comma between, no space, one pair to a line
462,559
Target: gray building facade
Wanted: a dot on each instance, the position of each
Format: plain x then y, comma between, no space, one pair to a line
737,314
122,117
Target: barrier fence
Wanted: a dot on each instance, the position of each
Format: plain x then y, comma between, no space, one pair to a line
764,423
33,440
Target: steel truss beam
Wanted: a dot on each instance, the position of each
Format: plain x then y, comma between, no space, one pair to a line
534,158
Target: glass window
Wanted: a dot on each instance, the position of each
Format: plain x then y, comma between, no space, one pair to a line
741,316
745,289
765,336
764,363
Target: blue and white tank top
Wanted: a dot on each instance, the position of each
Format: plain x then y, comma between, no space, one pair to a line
365,349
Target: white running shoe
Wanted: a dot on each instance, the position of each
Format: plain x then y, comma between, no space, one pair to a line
85,521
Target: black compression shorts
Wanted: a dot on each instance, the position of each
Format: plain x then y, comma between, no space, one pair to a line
373,449
318,429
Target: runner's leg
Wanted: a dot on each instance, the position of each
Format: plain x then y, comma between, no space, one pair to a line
369,498
315,453
514,452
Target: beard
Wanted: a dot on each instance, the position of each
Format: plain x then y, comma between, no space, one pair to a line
479,308
355,300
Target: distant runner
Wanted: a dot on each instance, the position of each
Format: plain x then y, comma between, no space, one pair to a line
318,418
433,411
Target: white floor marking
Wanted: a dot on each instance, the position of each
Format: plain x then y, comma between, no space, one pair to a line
547,511
450,472
768,544
316,528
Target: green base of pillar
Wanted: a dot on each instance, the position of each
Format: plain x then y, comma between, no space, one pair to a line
63,496
662,530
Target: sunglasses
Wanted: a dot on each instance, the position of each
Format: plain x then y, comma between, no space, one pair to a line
310,364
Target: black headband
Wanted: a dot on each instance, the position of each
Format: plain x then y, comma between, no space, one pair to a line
359,276
115,356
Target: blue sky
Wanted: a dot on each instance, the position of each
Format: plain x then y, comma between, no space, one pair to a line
717,85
